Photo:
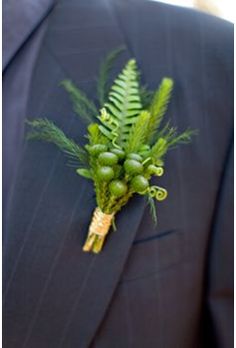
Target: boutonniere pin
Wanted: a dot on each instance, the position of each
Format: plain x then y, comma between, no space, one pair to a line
127,142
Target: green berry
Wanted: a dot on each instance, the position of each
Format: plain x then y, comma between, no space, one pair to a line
107,159
96,149
120,153
139,183
105,173
133,167
118,188
134,156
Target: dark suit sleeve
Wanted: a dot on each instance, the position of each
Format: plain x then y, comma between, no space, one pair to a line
218,320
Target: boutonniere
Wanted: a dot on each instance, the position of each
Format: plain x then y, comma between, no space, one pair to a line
126,142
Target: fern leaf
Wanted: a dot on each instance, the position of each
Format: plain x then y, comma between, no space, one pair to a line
138,133
43,129
159,105
123,106
104,72
83,107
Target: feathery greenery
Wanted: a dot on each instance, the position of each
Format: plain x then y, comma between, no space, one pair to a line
45,130
138,133
83,107
183,138
159,105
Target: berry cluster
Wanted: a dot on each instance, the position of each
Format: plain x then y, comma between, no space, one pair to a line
122,171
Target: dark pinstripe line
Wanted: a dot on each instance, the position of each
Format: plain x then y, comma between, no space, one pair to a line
168,40
128,317
156,288
74,308
204,94
54,263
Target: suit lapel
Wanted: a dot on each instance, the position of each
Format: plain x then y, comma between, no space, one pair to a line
25,16
52,206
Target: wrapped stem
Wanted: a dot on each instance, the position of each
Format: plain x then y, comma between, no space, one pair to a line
98,229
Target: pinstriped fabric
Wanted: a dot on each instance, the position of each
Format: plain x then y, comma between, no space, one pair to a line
46,238
51,270
175,285
28,16
143,294
42,194
41,110
32,230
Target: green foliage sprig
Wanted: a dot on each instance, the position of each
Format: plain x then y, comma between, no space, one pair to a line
43,129
127,141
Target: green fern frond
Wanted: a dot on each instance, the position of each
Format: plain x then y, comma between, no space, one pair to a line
43,129
83,107
159,105
123,106
138,133
104,72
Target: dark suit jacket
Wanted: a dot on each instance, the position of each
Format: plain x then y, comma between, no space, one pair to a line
168,286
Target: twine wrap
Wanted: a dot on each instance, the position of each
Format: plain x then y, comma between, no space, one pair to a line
98,229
